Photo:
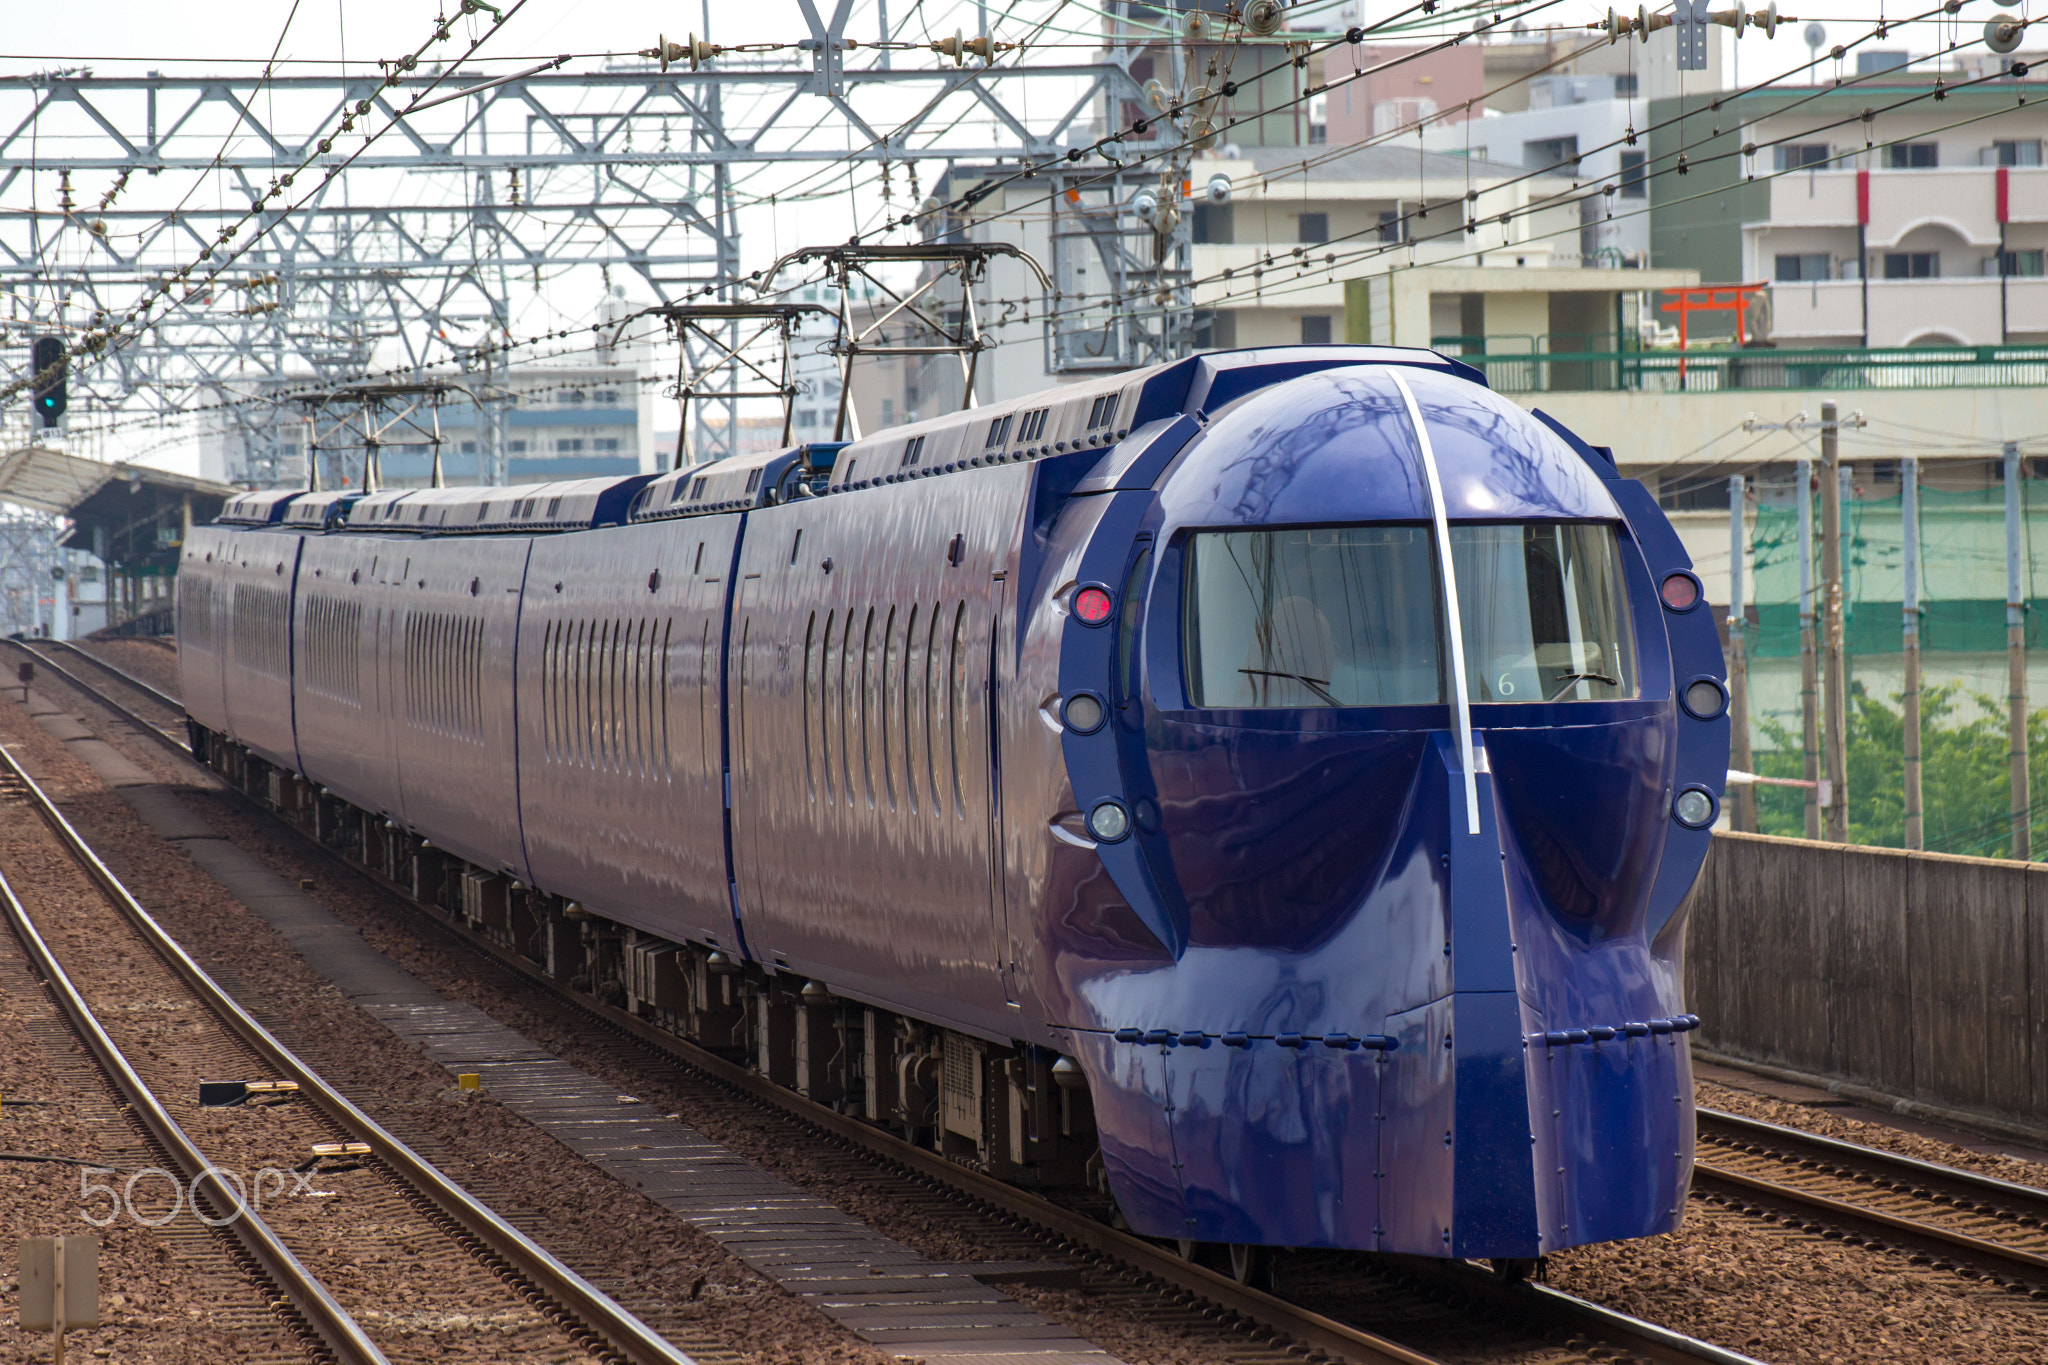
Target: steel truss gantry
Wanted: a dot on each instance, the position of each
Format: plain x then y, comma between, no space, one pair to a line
366,416
110,185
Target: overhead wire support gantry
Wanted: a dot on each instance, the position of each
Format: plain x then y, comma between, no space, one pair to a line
713,360
368,415
961,336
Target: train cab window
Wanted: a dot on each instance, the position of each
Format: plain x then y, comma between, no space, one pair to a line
1545,613
1323,616
1351,616
1127,629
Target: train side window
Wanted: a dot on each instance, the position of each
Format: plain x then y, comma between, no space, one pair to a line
810,691
866,682
666,663
887,658
1127,629
910,670
958,704
934,705
704,705
847,681
826,653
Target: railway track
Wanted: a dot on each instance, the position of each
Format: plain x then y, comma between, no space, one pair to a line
1973,1224
1491,1317
404,1212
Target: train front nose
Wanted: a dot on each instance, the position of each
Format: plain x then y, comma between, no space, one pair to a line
1406,740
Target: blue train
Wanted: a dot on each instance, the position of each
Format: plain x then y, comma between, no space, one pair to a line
1106,787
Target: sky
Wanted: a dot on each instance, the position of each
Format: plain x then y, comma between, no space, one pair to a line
131,36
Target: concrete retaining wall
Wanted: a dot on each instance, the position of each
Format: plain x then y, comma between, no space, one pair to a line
1921,975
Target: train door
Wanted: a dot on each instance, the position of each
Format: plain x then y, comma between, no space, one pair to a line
992,748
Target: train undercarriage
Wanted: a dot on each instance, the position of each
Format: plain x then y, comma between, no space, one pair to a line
1018,1112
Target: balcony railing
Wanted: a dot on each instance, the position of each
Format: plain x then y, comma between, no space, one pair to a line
1538,369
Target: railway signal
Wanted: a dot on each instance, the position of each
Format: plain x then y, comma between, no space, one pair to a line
50,367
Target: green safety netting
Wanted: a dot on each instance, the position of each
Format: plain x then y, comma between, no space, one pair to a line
1963,642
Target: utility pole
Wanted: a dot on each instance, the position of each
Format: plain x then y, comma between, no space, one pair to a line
1909,564
1809,671
1837,697
2016,659
1743,816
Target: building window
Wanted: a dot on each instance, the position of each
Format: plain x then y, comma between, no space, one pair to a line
1912,156
1315,329
2024,263
1799,156
1625,86
569,445
1212,224
2012,154
1634,183
605,398
570,398
1912,265
1801,268
469,447
1393,227
1552,154
888,412
515,447
807,417
1314,227
606,445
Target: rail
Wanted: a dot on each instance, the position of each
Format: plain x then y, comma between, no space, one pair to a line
589,1306
327,1319
1338,1339
1810,1155
115,671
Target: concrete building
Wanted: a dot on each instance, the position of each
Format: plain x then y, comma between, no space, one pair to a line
1575,127
1926,225
1413,204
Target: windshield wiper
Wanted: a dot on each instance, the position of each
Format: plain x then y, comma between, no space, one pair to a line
1569,679
1315,685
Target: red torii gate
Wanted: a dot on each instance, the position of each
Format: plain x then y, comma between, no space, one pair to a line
1709,298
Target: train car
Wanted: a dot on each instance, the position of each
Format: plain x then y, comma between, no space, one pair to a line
1264,786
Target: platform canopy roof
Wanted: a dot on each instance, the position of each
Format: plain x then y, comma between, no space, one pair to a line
127,514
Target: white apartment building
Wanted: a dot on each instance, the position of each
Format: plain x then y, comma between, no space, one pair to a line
1575,127
1377,210
1906,230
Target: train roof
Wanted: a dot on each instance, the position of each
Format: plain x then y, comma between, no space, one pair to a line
322,509
564,505
1093,414
730,485
264,508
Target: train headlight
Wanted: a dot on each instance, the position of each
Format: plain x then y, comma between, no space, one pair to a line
1694,808
1109,822
1093,605
1083,713
1704,699
1680,591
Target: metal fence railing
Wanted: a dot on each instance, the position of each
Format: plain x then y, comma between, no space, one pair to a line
1541,370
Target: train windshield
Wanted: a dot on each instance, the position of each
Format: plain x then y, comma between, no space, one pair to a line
1353,616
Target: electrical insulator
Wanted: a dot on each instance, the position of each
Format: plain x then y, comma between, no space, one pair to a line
2002,33
1262,17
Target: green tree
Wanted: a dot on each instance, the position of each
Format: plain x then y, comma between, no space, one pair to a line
1964,781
